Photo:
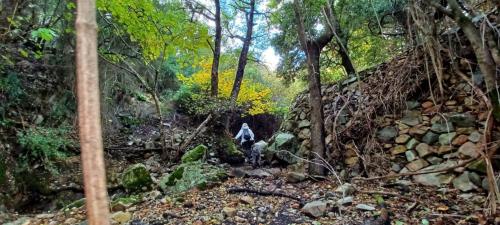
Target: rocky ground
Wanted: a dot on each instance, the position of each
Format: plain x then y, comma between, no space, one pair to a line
322,202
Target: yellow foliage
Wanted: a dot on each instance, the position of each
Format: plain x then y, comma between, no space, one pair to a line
257,95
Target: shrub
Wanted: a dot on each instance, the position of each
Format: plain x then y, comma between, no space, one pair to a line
45,144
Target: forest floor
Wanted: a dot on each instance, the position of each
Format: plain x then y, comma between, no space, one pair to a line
405,203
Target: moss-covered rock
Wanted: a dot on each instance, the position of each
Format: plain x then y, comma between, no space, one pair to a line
76,204
136,177
122,203
229,153
192,175
282,148
194,154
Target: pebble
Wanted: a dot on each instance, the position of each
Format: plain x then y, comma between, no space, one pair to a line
365,207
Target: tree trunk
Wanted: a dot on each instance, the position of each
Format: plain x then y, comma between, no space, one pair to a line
483,54
89,114
316,104
313,50
346,59
218,39
242,62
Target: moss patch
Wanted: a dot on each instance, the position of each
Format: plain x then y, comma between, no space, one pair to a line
192,175
136,177
194,154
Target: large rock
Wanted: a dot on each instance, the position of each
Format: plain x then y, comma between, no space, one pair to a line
194,154
295,177
284,145
447,138
229,153
435,179
387,134
442,127
417,165
192,175
121,217
463,182
423,149
430,138
468,150
304,124
136,177
463,119
346,189
315,209
412,118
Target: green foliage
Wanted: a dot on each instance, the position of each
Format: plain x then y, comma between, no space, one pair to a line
46,144
46,34
194,154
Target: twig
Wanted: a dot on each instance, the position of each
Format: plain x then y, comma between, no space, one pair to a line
415,173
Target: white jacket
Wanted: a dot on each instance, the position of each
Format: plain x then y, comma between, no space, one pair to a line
240,134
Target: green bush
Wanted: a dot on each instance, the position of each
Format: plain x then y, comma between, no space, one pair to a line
45,144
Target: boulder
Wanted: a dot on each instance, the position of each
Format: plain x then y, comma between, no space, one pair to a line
412,118
387,134
430,138
136,177
345,201
433,179
229,153
446,138
417,165
194,154
315,209
423,149
284,145
463,119
192,175
463,182
468,150
442,127
295,177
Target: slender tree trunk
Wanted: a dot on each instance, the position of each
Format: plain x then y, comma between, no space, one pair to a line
218,39
316,104
346,59
242,62
483,54
313,50
89,114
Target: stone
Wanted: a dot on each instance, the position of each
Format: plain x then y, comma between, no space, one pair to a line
412,144
460,140
417,165
258,173
411,155
315,209
346,189
433,179
229,211
485,184
463,183
38,119
136,177
463,119
465,130
71,221
402,139
430,138
21,221
423,149
303,115
442,127
412,118
468,150
434,160
387,134
247,200
365,207
304,124
395,167
450,103
418,130
398,149
478,166
444,149
194,154
192,175
427,104
304,134
475,136
445,139
284,145
345,201
295,177
475,178
121,217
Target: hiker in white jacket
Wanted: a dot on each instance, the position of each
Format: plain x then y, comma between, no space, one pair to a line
247,138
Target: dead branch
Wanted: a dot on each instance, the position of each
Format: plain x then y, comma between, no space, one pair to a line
195,133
